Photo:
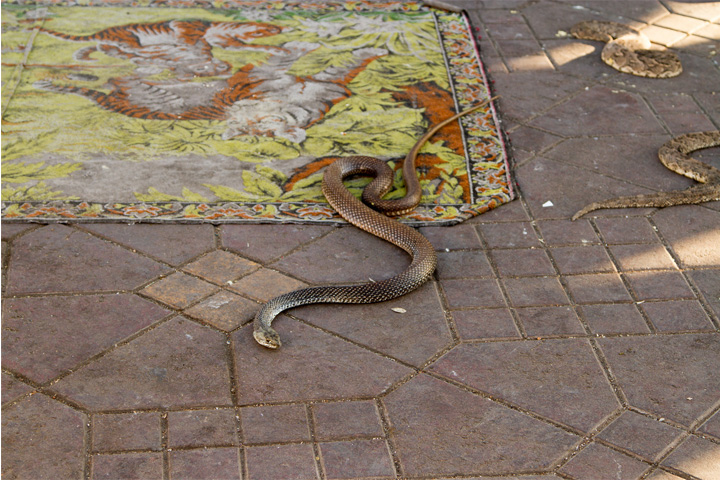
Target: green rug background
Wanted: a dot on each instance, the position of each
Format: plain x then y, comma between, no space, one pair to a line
118,126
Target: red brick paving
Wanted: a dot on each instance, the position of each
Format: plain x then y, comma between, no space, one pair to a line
542,349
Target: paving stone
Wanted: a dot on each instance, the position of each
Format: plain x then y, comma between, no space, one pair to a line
265,284
600,111
509,235
485,323
559,379
264,243
79,262
697,457
413,336
632,158
680,113
566,232
598,461
507,212
178,364
202,428
539,291
708,281
127,466
42,439
218,463
45,336
338,370
527,94
179,290
346,255
221,267
642,257
677,316
452,238
440,429
662,36
113,432
174,244
509,31
357,459
524,55
600,288
659,285
669,375
532,140
547,19
467,263
712,426
578,57
693,234
584,259
291,462
707,11
640,434
546,180
346,419
619,318
522,262
13,388
620,230
477,292
544,321
224,310
9,230
662,475
710,30
274,424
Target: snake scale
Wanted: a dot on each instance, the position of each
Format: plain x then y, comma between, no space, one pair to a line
424,258
675,155
628,50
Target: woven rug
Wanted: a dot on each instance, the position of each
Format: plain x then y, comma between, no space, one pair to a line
192,111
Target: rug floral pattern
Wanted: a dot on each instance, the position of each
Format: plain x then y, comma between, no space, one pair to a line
171,113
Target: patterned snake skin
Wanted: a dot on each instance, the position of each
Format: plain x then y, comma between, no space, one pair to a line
351,209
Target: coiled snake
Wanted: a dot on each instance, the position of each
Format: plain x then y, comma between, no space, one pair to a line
351,209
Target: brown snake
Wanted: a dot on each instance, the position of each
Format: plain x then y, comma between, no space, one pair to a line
424,258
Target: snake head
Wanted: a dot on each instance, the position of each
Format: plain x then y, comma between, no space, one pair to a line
267,338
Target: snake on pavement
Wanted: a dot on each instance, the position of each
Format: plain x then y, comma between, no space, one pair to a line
424,258
628,50
675,155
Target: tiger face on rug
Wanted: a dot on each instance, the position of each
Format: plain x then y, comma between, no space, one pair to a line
262,99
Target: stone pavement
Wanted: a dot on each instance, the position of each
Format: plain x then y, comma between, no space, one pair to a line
542,349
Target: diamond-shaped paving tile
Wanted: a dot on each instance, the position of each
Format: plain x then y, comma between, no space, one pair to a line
599,461
346,255
673,376
265,284
224,310
560,379
42,439
693,233
268,242
79,262
440,429
310,365
178,364
171,243
413,336
640,434
45,336
696,456
221,267
179,290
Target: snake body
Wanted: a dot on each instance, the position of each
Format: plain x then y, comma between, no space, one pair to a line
628,50
424,258
675,155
